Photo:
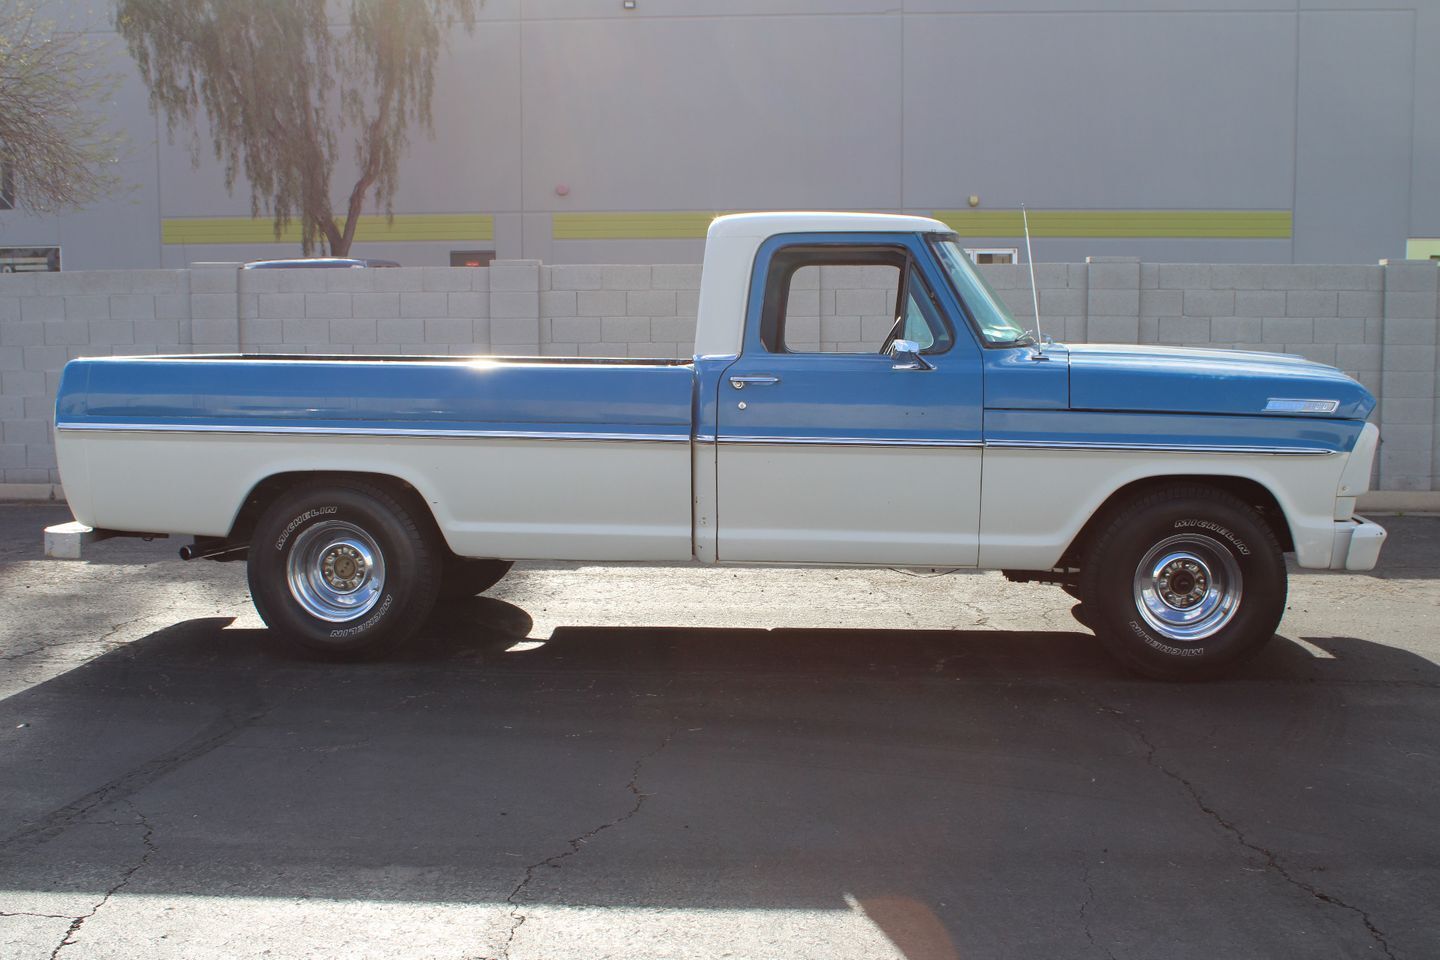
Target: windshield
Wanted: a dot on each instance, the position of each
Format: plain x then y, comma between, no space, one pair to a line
990,313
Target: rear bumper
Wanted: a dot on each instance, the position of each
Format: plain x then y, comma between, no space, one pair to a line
1357,544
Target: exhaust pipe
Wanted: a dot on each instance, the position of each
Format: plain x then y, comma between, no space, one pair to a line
216,549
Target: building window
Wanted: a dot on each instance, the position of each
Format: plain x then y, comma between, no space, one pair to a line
471,258
29,259
992,254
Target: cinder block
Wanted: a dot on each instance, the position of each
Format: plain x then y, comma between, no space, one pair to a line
515,276
398,280
1062,302
213,306
802,333
1286,276
559,349
9,309
447,329
375,306
1408,359
350,281
1235,329
1184,276
1207,303
1336,330
1408,410
304,280
1350,356
277,306
111,332
515,304
42,308
297,331
1113,274
614,329
446,279
1178,330
675,276
261,281
394,329
480,331
479,278
12,455
575,329
22,333
873,331
600,303
581,276
1288,330
23,383
838,329
680,330
216,279
354,331
1419,332
40,454
557,303
687,303
215,333
1355,276
256,331
1259,303
861,302
153,282
625,276
162,333
45,358
650,303
172,306
1237,276
1374,329
1311,303
469,304
132,306
327,305
1368,303
1411,276
1120,302
424,305
67,332
1391,385
511,332
1409,306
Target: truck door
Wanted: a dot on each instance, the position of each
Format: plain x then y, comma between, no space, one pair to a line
833,447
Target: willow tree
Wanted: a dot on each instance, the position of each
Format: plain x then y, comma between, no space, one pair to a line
283,88
55,150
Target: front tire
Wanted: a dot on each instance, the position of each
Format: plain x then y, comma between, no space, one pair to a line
1184,584
343,568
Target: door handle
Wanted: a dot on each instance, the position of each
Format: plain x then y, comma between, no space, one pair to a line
739,382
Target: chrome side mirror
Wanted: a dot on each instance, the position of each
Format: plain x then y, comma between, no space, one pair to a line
906,354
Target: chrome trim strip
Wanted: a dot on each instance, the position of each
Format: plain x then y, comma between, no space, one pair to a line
844,441
372,432
1300,405
1159,447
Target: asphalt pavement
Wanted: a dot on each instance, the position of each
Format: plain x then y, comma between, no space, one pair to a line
618,761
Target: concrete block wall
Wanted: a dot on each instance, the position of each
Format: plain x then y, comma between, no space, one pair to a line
1377,323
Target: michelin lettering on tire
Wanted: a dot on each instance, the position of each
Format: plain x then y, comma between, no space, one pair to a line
373,619
307,515
1214,527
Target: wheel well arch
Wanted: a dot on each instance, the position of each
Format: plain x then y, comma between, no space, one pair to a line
1252,492
268,490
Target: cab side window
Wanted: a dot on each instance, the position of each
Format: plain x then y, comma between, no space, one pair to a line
850,300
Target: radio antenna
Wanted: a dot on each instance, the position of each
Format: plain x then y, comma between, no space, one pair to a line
1034,291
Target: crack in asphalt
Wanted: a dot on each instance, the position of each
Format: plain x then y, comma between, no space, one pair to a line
46,646
148,839
1272,860
1085,913
219,732
517,915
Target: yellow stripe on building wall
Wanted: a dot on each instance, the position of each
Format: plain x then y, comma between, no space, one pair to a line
1186,224
371,229
675,225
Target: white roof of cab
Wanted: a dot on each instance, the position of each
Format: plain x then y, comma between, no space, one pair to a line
769,224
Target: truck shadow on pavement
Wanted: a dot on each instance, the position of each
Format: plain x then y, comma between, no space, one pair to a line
921,778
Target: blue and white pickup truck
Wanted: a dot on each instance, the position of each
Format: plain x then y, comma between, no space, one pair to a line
1161,487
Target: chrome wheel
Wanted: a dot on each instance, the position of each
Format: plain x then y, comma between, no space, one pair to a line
336,571
1187,587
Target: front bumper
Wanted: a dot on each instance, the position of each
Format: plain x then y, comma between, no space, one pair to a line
1357,544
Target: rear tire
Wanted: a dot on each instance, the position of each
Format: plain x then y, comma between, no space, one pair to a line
342,568
1184,584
